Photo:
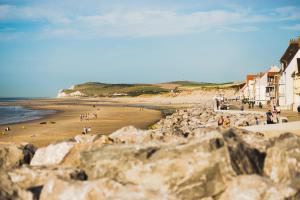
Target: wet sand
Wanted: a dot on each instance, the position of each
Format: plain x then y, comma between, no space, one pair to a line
67,124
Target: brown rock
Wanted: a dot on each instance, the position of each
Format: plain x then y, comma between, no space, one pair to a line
282,164
97,189
253,187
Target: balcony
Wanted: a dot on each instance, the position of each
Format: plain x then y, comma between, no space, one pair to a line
271,83
270,94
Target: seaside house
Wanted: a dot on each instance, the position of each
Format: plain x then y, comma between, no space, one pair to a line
289,82
272,85
260,83
265,86
248,89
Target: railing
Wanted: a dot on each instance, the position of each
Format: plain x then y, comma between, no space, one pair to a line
271,83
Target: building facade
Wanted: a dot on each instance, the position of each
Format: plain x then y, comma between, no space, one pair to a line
266,86
289,82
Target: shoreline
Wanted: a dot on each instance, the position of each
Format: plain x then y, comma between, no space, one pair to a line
43,116
65,123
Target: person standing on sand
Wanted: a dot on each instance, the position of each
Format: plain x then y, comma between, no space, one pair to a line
227,122
220,121
269,117
256,121
275,116
242,107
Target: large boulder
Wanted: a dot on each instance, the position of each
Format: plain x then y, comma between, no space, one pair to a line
97,189
197,168
52,154
87,138
282,164
14,155
9,190
253,187
244,158
28,177
130,134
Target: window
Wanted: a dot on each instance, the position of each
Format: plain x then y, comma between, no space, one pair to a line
298,64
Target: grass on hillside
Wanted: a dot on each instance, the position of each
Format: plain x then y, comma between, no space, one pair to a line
95,89
104,90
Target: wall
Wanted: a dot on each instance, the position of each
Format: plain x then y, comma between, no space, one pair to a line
288,101
260,89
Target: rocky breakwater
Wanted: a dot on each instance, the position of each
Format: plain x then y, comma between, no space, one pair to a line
176,159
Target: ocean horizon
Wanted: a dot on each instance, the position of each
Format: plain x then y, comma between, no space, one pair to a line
12,99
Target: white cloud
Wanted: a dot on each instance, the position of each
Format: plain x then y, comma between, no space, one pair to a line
142,22
295,27
32,13
288,13
145,23
241,29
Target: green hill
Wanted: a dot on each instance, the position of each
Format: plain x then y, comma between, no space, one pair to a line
97,89
106,90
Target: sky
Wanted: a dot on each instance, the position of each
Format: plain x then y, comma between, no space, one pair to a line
47,45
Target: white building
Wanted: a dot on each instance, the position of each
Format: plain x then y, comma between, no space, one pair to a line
265,86
260,84
289,83
248,89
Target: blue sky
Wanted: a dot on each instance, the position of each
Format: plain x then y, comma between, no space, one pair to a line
46,45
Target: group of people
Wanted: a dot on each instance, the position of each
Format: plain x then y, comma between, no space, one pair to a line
6,130
220,103
224,121
251,104
88,116
273,116
86,130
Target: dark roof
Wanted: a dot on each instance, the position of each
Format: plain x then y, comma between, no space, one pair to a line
290,52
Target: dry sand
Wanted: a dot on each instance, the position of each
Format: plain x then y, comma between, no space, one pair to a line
67,123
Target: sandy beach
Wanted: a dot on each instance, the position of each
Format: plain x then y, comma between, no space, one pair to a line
67,124
112,114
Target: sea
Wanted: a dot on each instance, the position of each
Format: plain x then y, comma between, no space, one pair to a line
16,114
